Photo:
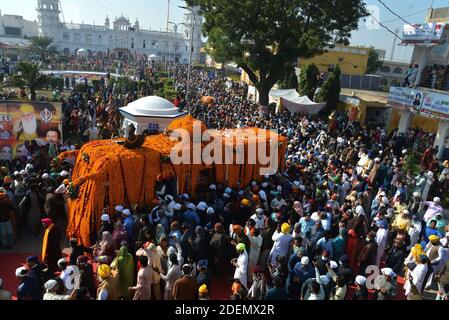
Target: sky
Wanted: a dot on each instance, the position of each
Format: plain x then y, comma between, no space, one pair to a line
153,13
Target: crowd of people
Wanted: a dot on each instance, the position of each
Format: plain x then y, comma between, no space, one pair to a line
346,205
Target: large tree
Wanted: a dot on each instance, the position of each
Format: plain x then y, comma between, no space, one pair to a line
41,45
308,81
33,78
374,62
262,36
289,79
330,90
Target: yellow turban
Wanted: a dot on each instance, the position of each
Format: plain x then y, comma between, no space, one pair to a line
245,202
104,271
434,238
402,226
285,228
26,108
203,289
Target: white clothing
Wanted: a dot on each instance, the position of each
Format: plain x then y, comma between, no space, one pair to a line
418,275
414,231
173,274
381,240
259,221
241,271
280,247
255,244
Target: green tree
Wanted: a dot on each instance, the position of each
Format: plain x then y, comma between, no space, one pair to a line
263,36
374,62
330,90
289,79
33,78
308,81
41,45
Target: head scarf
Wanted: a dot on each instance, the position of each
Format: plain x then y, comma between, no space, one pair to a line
125,264
106,240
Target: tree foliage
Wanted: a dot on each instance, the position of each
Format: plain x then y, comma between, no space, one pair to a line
374,63
330,90
308,81
289,79
264,36
41,45
32,77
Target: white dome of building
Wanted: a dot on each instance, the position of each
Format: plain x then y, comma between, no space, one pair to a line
152,106
151,112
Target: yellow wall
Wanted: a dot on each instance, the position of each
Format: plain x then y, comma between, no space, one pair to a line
350,60
427,124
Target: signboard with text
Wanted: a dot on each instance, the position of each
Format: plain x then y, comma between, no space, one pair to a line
425,102
424,33
27,121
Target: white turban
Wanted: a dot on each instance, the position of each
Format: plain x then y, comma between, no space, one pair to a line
50,284
191,206
436,199
64,173
126,212
45,176
305,260
213,187
360,280
210,210
119,208
388,272
177,206
105,217
263,195
202,206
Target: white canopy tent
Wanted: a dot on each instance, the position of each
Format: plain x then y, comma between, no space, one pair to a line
295,103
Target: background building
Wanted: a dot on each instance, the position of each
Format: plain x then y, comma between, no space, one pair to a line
121,37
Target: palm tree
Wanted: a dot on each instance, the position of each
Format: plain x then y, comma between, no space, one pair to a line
33,78
41,46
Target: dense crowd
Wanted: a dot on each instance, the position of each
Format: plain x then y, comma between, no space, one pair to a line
347,202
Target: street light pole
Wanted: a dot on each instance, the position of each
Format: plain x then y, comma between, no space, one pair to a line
175,33
191,52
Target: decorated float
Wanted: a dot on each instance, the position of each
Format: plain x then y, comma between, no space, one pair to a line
117,172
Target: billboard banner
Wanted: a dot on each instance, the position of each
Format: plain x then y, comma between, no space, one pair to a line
406,98
424,33
26,121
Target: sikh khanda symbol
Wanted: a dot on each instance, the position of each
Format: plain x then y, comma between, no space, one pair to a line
46,116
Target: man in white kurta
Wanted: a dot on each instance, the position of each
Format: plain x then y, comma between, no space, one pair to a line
381,240
282,241
241,265
418,276
255,240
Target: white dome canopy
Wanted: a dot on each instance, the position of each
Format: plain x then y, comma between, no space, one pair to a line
152,106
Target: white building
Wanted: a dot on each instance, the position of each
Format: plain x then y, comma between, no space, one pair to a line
14,26
421,105
121,37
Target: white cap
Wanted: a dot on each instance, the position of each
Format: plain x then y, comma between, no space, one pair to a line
259,211
119,208
377,159
213,187
62,261
45,176
305,260
29,166
405,211
388,272
202,206
430,173
105,217
228,190
253,183
264,184
404,151
168,197
21,272
177,206
334,264
64,173
302,187
185,196
50,284
360,280
416,194
23,172
279,188
263,195
126,212
296,183
16,173
226,195
191,206
210,210
436,199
